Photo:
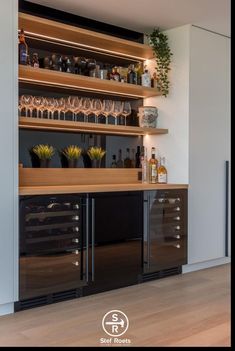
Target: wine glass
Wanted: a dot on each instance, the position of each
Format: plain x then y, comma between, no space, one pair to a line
126,111
107,108
98,108
61,107
117,109
38,105
86,108
26,103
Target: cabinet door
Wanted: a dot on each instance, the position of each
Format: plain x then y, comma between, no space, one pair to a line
209,138
165,240
117,239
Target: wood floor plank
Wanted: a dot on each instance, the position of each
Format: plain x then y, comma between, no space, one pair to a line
192,309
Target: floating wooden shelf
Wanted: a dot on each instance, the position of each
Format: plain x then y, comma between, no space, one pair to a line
77,37
45,77
81,127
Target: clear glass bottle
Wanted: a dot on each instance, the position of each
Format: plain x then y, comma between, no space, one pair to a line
162,171
120,163
127,160
23,49
146,78
144,165
133,158
153,166
114,162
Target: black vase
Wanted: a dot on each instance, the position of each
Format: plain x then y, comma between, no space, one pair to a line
72,163
45,163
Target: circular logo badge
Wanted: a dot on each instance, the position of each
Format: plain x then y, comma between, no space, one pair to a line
115,323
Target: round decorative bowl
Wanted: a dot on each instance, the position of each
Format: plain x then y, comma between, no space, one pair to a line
148,116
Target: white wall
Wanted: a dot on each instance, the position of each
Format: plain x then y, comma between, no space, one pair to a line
174,110
8,155
209,146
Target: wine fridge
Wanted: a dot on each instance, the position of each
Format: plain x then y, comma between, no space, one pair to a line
52,245
165,230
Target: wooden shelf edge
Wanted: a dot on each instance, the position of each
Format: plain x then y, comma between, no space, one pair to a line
40,76
79,127
71,35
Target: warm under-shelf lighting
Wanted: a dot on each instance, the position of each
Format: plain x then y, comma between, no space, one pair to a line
89,47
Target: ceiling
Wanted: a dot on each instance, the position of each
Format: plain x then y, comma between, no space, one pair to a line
144,15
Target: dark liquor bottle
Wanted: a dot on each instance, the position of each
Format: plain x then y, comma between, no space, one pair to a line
127,161
120,163
132,75
35,61
114,162
23,49
137,158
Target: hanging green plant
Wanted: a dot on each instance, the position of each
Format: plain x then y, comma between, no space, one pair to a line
159,43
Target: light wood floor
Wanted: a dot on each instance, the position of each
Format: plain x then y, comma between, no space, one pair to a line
187,310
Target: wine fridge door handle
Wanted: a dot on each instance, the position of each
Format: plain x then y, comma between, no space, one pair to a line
148,230
93,239
87,239
226,208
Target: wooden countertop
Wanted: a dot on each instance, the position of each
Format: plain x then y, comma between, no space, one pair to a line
98,188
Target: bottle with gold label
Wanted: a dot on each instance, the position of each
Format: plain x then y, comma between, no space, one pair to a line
162,171
153,166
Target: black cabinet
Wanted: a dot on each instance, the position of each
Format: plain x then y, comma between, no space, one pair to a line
115,251
51,250
165,229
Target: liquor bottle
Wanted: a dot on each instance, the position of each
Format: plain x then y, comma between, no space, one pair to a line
144,165
154,82
23,49
153,163
120,163
114,163
146,78
137,158
132,75
133,158
139,72
127,161
35,61
115,74
162,171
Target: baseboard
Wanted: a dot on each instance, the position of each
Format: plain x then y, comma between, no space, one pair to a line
7,308
206,264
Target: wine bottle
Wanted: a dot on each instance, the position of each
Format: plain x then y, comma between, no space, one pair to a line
144,165
153,163
23,49
132,75
162,171
137,158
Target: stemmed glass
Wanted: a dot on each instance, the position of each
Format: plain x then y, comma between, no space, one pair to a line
117,109
38,105
51,105
126,111
107,108
86,108
26,103
61,107
98,108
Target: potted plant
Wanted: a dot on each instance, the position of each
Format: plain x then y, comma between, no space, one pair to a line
159,43
72,154
96,154
44,154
